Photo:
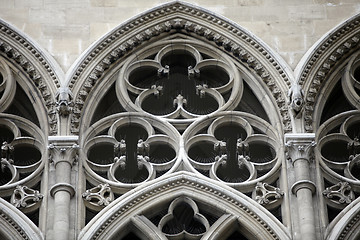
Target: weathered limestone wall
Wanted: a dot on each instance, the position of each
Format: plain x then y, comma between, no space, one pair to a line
65,28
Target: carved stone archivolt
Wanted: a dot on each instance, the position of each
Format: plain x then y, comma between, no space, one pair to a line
38,66
341,43
246,49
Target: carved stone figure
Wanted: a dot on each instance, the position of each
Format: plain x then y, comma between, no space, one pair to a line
64,102
296,98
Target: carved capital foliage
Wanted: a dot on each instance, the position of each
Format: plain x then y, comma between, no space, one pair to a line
26,198
63,150
267,195
339,194
99,196
299,146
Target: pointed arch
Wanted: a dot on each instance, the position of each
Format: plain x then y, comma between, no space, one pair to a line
39,71
126,210
165,20
320,61
346,225
15,225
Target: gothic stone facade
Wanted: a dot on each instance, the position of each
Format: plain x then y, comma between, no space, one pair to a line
179,124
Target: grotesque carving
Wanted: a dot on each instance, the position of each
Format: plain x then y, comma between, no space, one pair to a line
64,102
296,98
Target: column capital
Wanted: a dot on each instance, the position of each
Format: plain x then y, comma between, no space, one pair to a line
299,145
63,149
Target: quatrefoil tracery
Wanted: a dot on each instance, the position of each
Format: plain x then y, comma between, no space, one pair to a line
340,151
230,150
130,152
21,153
179,82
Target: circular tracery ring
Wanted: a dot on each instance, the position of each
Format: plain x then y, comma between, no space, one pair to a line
22,153
229,148
179,83
130,149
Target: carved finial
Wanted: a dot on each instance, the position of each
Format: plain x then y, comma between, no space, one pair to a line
120,149
201,90
179,101
354,148
164,71
6,155
158,90
220,149
296,98
193,72
64,102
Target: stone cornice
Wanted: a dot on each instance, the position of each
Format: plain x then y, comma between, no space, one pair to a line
319,64
178,16
35,63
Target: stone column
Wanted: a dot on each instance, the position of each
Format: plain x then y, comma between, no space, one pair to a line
63,153
299,151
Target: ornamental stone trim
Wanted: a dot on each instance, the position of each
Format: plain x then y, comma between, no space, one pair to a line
349,228
341,43
14,225
176,23
179,183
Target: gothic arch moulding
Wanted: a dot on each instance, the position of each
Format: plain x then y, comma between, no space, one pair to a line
323,60
134,209
16,225
192,23
36,69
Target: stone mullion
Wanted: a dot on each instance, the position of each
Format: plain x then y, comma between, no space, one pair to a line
63,152
299,149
